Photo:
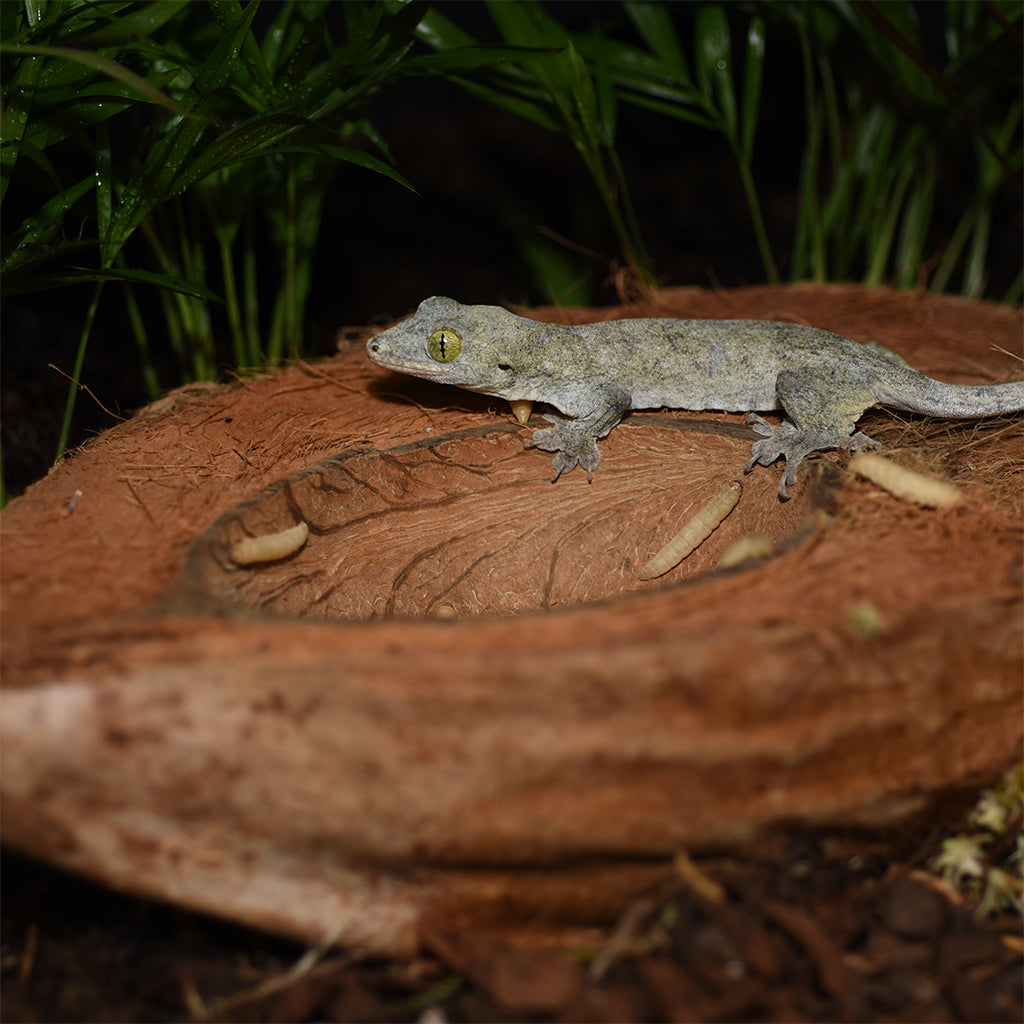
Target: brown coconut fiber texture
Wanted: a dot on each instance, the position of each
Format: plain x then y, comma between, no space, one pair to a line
457,697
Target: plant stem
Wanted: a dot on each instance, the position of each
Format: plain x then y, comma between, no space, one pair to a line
882,237
138,326
630,236
231,299
754,205
955,245
809,258
250,290
974,273
292,335
76,373
632,245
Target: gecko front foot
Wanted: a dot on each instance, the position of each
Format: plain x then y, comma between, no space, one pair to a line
573,445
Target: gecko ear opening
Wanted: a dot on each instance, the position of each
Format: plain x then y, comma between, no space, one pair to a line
444,345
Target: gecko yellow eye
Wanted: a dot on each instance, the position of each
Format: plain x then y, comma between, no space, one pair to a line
444,345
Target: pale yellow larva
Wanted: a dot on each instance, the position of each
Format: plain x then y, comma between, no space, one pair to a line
521,409
905,483
694,533
746,549
270,547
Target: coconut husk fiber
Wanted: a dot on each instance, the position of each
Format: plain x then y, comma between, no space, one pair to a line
457,698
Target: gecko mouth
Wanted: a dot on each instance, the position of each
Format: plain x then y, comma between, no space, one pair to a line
391,362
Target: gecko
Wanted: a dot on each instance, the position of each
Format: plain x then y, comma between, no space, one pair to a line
592,374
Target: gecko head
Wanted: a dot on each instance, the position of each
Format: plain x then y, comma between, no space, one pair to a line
473,347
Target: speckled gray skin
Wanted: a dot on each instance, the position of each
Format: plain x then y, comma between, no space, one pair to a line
593,373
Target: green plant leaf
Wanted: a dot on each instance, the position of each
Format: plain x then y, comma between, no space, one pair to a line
654,23
13,27
14,115
884,224
162,173
674,109
217,67
917,216
604,89
584,98
127,28
60,114
301,55
337,93
150,185
276,40
526,23
45,224
637,73
245,141
895,37
30,263
529,110
104,181
232,17
349,155
714,64
28,149
404,26
990,169
752,77
362,23
98,62
46,282
437,31
478,57
72,20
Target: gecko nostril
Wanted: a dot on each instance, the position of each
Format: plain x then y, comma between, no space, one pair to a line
504,366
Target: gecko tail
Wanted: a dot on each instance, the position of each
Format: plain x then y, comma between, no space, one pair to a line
914,392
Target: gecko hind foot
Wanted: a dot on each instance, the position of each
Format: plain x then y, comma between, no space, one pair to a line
789,474
781,440
784,440
860,441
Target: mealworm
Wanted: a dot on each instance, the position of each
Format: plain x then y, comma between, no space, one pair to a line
694,533
746,549
905,483
521,409
270,547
